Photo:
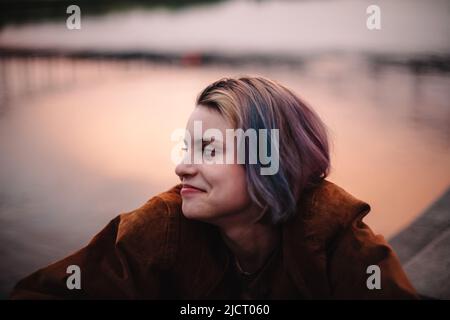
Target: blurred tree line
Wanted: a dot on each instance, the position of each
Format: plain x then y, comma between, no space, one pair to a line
22,11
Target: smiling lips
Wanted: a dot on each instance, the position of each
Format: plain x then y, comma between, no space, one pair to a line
188,189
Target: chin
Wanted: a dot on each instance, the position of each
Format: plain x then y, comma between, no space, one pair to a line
194,212
191,211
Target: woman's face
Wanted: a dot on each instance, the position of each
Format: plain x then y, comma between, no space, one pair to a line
223,187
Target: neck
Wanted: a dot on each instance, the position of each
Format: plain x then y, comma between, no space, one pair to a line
251,242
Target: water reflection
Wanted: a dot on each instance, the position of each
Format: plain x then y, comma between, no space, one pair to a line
85,140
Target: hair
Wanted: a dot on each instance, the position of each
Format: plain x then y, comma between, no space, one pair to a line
304,161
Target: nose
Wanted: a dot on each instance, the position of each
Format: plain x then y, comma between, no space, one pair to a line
185,170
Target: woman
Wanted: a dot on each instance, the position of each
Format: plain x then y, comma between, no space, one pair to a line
229,231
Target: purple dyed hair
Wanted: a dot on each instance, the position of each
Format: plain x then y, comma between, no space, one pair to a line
304,161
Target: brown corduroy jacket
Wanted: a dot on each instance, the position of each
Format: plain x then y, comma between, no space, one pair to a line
154,252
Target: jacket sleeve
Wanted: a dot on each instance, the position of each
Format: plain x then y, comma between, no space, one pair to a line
364,266
128,259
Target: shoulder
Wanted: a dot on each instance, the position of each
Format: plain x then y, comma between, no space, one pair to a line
159,209
324,214
149,232
328,209
157,233
126,259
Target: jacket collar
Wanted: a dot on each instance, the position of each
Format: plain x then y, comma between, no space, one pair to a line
323,213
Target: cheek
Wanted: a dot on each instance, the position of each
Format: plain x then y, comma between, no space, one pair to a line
227,194
233,182
229,188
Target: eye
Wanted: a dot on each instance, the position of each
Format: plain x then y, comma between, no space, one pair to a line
213,150
210,148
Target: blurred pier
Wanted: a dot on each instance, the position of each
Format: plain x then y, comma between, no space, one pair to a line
424,249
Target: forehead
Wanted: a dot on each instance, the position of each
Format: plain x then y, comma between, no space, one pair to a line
210,119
